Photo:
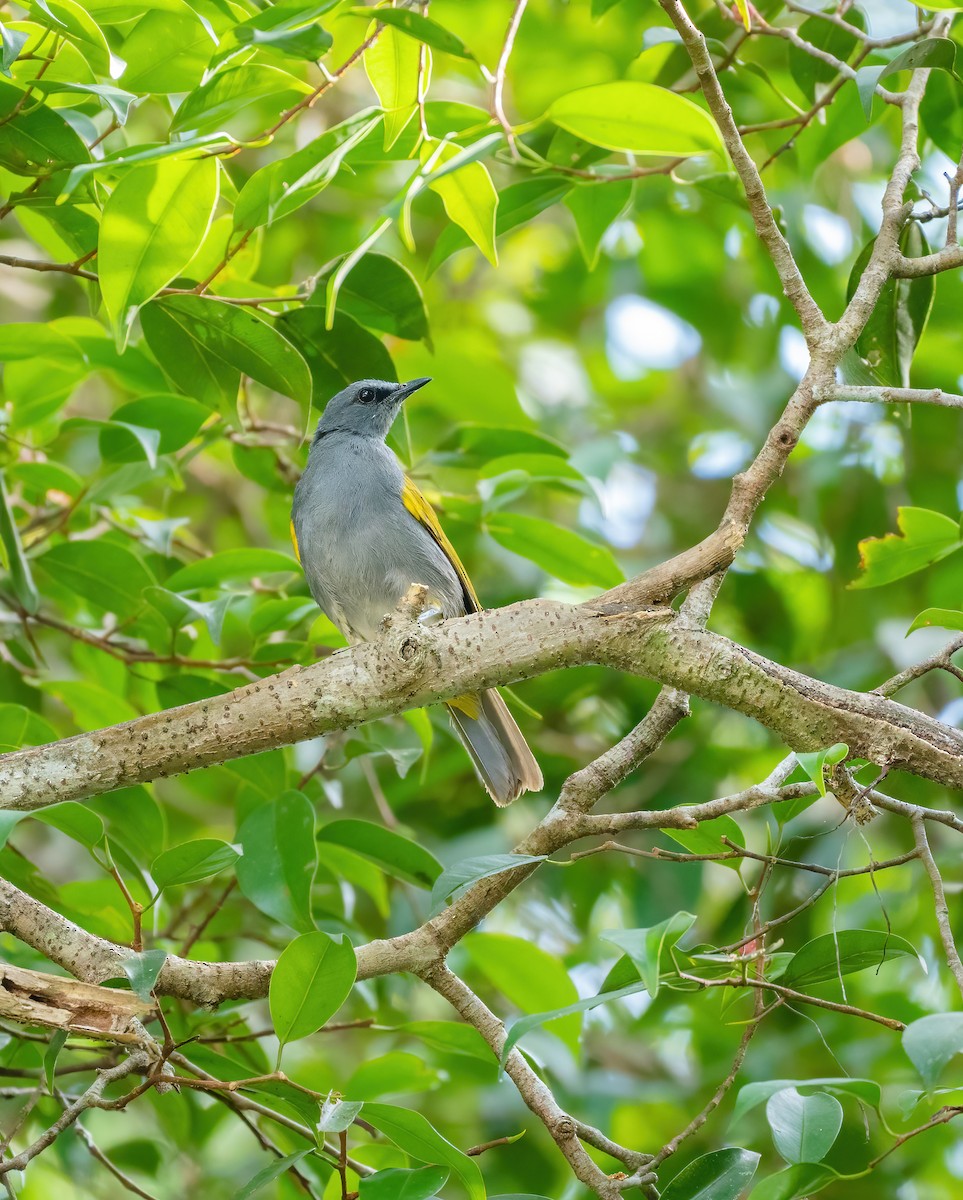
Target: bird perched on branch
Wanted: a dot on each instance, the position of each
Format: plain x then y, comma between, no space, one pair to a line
364,534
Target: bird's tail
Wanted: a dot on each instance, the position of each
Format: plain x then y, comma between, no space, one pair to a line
504,763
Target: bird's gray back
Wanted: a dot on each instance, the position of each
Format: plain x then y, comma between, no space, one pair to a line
360,547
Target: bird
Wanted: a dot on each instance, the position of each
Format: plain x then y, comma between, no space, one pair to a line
364,533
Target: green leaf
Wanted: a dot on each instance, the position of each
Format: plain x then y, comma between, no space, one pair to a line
412,1133
804,1127
798,1182
188,361
707,837
720,1175
273,1171
216,104
142,971
890,337
807,69
816,762
595,206
239,338
469,197
530,977
396,1183
422,28
753,1094
191,861
638,118
558,551
338,1115
19,727
646,947
70,20
937,53
122,162
282,187
939,5
932,1041
392,65
310,982
75,820
279,859
461,875
924,538
37,140
51,1054
943,618
230,566
167,51
109,577
517,203
395,1073
336,356
843,953
452,1037
12,41
381,294
117,100
13,557
177,420
399,857
154,223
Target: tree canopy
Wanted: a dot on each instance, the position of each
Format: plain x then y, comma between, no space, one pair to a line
687,280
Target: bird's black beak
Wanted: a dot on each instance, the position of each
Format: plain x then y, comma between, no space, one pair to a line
407,389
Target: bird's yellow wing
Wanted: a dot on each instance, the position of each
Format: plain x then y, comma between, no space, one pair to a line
424,514
294,543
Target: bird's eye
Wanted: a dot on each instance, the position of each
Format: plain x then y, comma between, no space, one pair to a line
366,395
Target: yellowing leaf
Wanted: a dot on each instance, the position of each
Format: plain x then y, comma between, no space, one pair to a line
924,538
469,197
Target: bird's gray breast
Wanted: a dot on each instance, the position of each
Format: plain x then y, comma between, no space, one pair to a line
360,548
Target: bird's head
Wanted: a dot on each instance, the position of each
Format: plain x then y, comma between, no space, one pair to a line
366,408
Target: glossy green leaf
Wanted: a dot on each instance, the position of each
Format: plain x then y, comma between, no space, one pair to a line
215,105
20,727
75,820
889,340
530,977
720,1175
176,419
50,1056
117,100
382,294
558,551
417,26
798,1182
392,65
804,1127
397,855
843,953
337,1115
453,1037
34,139
167,51
237,337
278,861
191,861
70,20
12,41
336,356
924,538
310,982
930,1042
639,118
754,1094
810,71
142,971
395,1073
230,566
154,222
461,875
105,574
397,1183
595,206
417,1137
282,187
815,763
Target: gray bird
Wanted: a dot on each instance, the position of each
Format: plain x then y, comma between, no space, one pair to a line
364,534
